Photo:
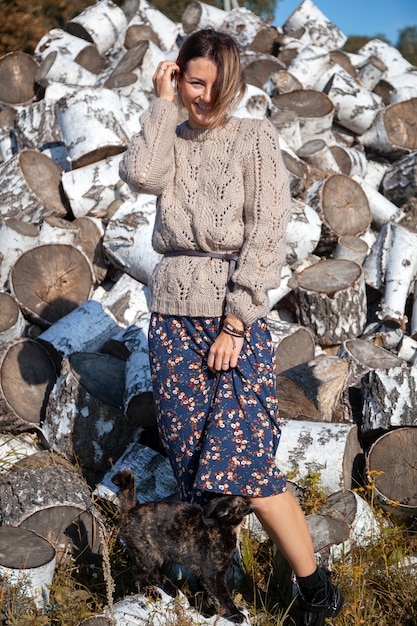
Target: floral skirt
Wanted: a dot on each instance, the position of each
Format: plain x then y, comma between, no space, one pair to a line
220,431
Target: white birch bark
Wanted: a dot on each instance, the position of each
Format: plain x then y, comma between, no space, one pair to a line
100,23
166,29
322,31
65,44
127,301
85,329
326,448
201,15
128,238
382,209
99,110
389,55
92,188
310,64
303,232
356,107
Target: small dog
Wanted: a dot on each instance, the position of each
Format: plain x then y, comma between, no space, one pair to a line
203,540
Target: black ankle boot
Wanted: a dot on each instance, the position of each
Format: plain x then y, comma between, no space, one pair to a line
326,603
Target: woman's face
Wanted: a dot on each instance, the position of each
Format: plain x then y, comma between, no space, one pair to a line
196,89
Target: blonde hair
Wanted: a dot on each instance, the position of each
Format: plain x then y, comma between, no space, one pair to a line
221,48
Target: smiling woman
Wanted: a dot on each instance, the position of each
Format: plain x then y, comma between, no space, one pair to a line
222,211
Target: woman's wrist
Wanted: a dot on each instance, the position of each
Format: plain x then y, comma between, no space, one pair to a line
234,321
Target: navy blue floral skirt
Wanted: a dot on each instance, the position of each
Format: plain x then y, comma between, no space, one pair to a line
220,431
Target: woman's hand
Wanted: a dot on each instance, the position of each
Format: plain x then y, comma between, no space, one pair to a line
162,80
224,352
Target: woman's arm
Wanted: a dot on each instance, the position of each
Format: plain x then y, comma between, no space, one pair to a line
266,214
146,165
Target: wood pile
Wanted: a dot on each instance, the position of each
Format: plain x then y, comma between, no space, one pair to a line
76,254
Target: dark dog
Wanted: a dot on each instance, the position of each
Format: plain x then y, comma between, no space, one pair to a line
157,534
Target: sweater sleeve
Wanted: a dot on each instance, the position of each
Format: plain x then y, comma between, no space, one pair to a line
266,214
147,163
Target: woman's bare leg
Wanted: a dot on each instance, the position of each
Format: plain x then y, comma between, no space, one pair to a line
284,521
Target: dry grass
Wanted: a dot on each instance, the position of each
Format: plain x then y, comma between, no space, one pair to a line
379,588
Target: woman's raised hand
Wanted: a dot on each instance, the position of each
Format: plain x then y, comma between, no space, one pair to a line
162,80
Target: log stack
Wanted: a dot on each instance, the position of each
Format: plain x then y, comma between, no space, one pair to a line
76,250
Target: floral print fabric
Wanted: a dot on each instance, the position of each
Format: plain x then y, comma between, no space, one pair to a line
220,431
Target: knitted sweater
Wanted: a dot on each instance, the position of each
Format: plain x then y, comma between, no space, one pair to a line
224,190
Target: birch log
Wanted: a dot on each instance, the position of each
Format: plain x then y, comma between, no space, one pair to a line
364,355
30,188
309,65
50,281
382,209
92,188
317,153
36,126
371,71
393,131
331,300
17,78
342,206
167,30
27,375
45,494
12,322
127,301
389,397
29,561
400,180
314,390
99,110
60,68
351,248
350,160
392,470
355,107
85,329
201,15
16,236
79,50
293,344
128,238
89,239
348,506
100,23
84,419
392,266
315,111
260,68
328,449
322,31
389,55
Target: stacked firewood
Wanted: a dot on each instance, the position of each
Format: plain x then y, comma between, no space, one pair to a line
76,255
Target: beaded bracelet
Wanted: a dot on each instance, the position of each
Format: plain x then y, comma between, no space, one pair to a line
237,331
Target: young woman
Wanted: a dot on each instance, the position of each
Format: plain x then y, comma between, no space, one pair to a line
223,204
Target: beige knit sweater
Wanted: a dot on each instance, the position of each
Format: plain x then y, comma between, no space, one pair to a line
223,189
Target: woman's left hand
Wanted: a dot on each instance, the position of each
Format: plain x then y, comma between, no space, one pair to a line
224,352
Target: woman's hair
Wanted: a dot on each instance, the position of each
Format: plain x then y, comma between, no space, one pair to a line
221,48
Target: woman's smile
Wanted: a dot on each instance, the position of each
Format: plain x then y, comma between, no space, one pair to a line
196,88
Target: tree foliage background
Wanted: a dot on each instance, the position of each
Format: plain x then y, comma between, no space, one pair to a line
24,22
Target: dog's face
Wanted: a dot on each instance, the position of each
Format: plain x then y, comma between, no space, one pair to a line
228,510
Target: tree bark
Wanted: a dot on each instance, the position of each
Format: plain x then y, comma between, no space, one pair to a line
331,300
